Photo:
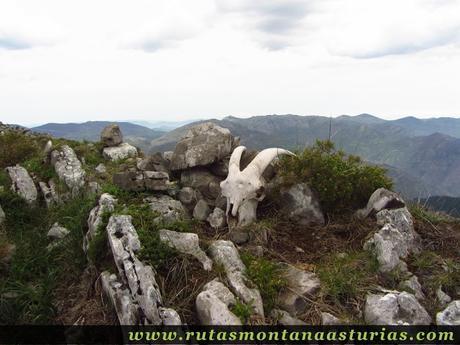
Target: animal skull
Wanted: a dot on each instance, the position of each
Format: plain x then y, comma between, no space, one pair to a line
242,186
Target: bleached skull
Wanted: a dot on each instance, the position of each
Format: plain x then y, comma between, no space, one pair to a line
240,186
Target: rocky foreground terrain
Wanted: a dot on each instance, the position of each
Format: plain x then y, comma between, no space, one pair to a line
98,233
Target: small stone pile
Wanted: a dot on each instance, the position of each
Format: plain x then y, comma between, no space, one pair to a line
114,147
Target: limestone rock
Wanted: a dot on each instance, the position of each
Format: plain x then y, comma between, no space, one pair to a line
414,285
57,232
154,162
225,253
107,204
49,193
300,205
169,317
328,319
442,297
381,199
111,136
212,305
22,183
169,209
203,181
247,212
201,210
187,243
120,298
94,187
100,169
187,196
202,145
449,316
299,284
217,218
68,168
2,215
119,152
389,246
124,244
284,318
396,308
138,181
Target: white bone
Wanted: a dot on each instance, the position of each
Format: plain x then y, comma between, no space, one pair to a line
241,186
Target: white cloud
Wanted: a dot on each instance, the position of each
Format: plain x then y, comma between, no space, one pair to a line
176,59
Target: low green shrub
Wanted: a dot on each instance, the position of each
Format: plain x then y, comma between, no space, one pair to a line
242,310
342,182
16,148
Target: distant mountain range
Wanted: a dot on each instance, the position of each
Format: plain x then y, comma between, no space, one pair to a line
422,155
134,134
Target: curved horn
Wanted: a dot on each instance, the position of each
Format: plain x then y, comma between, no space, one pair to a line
264,158
234,164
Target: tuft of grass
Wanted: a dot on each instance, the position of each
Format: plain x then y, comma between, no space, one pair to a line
242,310
349,276
267,276
423,214
342,182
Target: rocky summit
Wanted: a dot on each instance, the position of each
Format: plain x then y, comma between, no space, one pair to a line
214,233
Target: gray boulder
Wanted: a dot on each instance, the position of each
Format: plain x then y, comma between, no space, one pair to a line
396,308
119,152
187,196
111,136
300,205
203,181
22,183
169,317
202,145
57,232
442,298
187,243
138,181
155,162
217,219
381,199
225,253
201,210
100,169
168,209
68,168
299,284
49,193
449,316
414,286
328,319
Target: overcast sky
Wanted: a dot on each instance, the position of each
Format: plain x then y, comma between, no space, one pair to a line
78,60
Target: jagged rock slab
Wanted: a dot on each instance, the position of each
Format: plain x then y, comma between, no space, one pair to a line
414,285
381,199
299,284
106,203
225,253
449,316
202,145
119,152
124,243
22,183
300,205
68,168
168,209
187,243
212,305
120,298
396,308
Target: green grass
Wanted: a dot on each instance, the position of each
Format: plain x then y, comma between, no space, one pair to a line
347,276
267,276
425,215
27,287
242,310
